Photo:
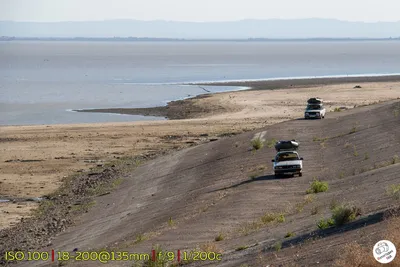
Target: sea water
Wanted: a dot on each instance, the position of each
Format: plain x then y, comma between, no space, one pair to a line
41,82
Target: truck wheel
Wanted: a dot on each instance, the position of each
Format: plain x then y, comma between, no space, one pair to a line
300,174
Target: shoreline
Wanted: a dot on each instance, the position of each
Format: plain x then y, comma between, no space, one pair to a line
189,109
173,110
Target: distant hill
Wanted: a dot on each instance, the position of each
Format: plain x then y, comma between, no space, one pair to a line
272,28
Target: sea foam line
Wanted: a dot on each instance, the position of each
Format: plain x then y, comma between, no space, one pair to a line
190,83
366,75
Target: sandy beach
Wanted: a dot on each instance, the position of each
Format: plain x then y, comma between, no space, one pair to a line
35,159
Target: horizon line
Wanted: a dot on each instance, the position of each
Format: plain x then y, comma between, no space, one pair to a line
184,21
133,38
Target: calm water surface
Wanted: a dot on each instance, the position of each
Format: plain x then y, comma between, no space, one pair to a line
41,81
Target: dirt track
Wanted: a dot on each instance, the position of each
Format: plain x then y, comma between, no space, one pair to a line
185,200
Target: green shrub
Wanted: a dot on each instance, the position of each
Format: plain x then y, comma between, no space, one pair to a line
355,153
171,222
241,248
257,143
268,217
394,191
273,217
219,237
334,204
159,262
281,218
325,223
278,246
270,143
289,234
140,238
395,159
344,214
317,187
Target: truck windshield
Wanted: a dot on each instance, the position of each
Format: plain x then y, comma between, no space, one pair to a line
310,107
287,156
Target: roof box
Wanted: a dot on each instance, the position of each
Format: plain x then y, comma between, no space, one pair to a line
315,100
286,145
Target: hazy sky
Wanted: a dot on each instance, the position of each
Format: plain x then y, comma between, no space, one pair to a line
198,10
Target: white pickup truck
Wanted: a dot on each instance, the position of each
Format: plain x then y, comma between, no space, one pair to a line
287,160
315,109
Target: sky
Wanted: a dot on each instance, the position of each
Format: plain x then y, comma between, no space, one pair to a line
198,10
